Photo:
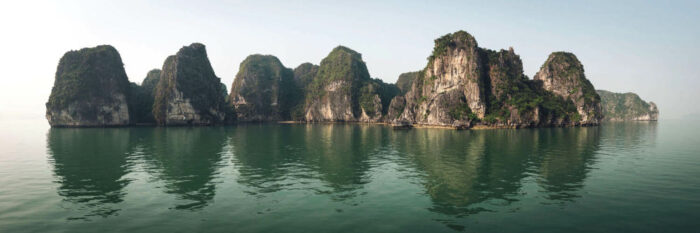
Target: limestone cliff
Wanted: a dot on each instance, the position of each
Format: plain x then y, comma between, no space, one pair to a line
188,92
562,74
263,90
90,89
342,90
627,107
465,85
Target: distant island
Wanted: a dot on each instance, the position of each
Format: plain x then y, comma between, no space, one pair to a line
627,107
462,86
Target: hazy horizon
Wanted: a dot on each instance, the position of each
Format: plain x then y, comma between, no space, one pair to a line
632,46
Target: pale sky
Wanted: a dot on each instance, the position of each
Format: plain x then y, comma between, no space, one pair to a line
650,48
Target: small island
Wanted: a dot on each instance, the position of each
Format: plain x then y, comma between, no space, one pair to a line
462,86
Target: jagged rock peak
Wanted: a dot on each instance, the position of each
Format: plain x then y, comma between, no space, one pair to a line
90,89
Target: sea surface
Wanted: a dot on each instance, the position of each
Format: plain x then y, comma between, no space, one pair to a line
617,177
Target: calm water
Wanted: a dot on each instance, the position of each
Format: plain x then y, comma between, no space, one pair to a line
621,177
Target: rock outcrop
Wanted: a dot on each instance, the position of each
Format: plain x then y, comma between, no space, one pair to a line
464,85
91,89
188,92
563,75
342,90
264,90
627,107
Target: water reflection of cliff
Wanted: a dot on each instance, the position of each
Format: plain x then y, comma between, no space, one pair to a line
265,155
90,166
467,172
565,157
271,156
341,154
187,160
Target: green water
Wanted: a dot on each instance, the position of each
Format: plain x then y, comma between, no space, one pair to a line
619,177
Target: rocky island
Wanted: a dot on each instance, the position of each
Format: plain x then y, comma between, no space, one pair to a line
627,107
90,90
462,86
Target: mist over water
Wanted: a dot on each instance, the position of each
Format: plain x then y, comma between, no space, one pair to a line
618,177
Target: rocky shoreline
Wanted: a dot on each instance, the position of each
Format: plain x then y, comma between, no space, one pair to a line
463,86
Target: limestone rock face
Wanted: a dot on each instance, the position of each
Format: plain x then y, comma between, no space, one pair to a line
263,90
448,90
332,95
188,92
627,107
562,74
90,90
